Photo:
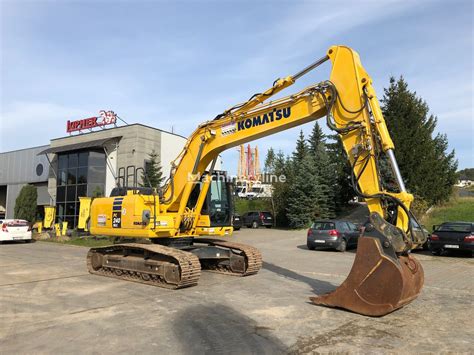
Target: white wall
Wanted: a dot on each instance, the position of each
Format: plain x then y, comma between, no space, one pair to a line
171,146
111,169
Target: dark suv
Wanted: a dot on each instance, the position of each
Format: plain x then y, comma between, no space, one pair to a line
452,236
255,219
332,234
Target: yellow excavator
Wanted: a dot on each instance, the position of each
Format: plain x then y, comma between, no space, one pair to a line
195,201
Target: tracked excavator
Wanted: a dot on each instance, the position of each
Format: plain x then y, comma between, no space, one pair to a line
179,217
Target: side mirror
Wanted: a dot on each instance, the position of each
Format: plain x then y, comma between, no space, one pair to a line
434,227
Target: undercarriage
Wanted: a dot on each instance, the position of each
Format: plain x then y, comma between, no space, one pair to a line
173,262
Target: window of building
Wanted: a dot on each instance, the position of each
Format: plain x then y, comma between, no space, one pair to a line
39,169
79,174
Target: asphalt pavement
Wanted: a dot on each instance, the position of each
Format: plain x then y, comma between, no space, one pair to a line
50,304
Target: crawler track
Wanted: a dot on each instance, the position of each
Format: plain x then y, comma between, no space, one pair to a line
155,265
252,257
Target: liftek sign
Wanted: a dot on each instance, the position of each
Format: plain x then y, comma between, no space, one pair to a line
105,118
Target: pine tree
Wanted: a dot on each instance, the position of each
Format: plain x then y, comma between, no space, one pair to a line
25,203
270,161
343,191
305,196
324,169
281,170
153,172
317,139
429,171
301,150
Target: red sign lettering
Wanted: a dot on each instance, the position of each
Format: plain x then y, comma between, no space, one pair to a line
105,118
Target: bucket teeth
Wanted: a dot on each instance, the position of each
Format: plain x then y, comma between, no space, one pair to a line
378,283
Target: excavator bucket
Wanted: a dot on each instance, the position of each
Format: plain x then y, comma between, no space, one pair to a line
379,282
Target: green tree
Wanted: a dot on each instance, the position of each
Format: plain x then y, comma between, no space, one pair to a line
324,171
98,192
301,150
270,161
153,172
429,171
25,204
343,191
303,194
304,202
466,174
281,171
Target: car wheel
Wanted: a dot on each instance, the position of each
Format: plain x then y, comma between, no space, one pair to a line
254,224
236,229
310,247
342,246
436,252
268,227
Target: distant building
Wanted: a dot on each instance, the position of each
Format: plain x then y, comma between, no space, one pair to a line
86,164
464,183
19,168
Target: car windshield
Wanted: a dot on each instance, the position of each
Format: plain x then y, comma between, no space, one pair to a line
414,223
455,227
323,226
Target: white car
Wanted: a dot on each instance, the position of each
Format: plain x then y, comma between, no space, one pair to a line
14,229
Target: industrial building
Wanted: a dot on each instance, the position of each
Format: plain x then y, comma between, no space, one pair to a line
85,164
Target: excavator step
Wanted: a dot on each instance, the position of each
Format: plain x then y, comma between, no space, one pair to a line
155,265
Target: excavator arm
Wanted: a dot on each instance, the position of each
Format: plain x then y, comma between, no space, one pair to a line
352,109
384,276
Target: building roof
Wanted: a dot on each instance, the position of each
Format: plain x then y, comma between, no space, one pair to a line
121,127
19,150
69,147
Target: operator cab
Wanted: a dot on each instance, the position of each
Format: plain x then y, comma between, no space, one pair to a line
218,203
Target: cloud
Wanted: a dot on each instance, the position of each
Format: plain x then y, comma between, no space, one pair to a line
70,61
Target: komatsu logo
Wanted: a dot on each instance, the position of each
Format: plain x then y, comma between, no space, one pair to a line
275,115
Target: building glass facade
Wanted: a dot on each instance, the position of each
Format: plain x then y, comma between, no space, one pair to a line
79,173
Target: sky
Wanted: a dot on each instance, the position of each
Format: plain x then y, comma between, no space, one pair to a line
175,64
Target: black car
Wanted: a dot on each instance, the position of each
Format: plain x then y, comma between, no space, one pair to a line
255,219
335,234
237,221
452,236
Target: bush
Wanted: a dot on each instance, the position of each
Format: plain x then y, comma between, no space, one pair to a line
25,204
242,205
419,207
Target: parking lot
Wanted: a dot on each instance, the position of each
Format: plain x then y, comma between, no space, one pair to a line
50,304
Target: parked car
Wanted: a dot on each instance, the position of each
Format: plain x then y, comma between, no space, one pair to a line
334,234
255,219
15,229
236,221
452,236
